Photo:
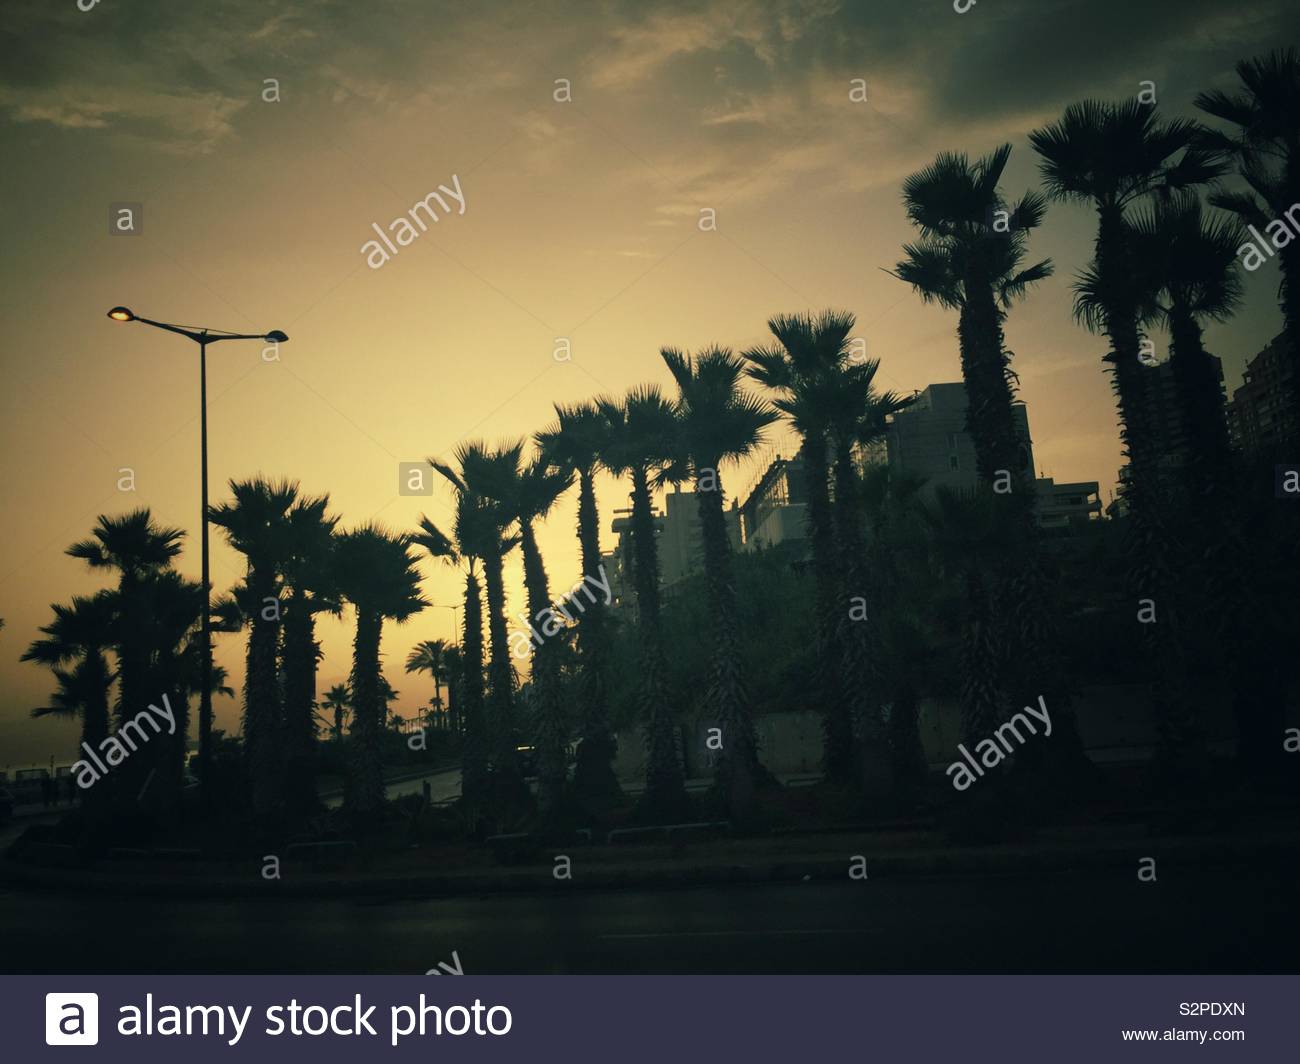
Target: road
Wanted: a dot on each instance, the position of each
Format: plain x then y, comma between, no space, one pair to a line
1191,920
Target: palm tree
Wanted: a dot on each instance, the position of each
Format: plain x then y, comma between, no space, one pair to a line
803,368
719,423
474,529
337,701
1190,263
481,470
969,258
256,524
527,495
376,573
430,656
1111,156
574,445
1267,150
642,443
135,548
857,415
307,570
80,632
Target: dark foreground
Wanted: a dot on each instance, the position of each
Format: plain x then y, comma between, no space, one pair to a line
1211,920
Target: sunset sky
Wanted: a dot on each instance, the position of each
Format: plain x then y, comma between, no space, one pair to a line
580,222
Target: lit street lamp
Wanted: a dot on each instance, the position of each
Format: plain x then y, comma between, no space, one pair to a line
203,337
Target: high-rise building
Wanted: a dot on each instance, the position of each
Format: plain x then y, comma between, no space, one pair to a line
1260,414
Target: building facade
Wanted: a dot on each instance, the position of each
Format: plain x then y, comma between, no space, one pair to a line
1259,416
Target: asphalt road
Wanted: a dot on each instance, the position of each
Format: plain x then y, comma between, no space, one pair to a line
1193,921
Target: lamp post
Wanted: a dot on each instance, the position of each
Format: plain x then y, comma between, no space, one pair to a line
202,337
455,614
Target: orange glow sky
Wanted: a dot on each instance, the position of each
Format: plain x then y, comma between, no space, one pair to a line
580,223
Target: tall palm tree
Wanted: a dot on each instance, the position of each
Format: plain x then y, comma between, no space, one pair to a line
474,530
480,470
337,701
1111,156
969,258
719,423
1189,262
1267,149
377,574
803,368
858,415
642,443
527,493
574,445
256,524
135,548
308,578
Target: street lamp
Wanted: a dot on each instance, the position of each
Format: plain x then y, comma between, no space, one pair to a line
455,615
202,337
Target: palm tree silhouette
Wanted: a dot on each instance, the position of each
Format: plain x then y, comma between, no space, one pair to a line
642,442
308,577
430,656
481,469
1111,156
256,524
134,547
574,444
1267,115
527,493
719,423
803,369
376,573
81,632
969,258
474,529
337,701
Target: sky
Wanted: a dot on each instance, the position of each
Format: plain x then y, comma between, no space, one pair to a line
261,140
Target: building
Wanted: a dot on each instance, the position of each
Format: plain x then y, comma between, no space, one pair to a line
1166,415
776,508
1064,505
681,545
1260,414
929,440
678,539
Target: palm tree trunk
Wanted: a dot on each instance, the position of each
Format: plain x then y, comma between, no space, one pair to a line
501,680
837,727
299,704
860,683
1151,541
738,766
1202,401
989,417
365,795
665,790
593,775
474,751
550,725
